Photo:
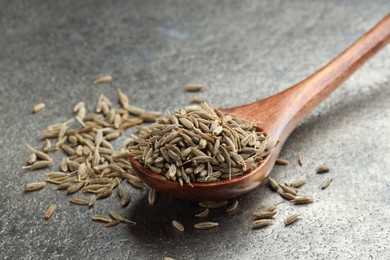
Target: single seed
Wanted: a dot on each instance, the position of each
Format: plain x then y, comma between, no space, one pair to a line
273,184
126,199
152,195
302,199
203,213
288,189
46,146
194,87
75,187
287,196
299,182
50,211
206,225
32,158
232,207
101,218
92,201
301,159
103,80
281,161
326,183
322,169
177,225
168,258
261,223
116,216
123,100
38,108
291,219
79,201
77,107
197,100
265,214
34,186
112,223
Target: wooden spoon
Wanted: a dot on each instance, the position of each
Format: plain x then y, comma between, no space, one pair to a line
277,116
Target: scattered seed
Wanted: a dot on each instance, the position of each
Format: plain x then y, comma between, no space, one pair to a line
112,223
152,195
32,158
322,169
206,225
281,161
46,146
50,211
34,186
79,201
126,199
203,213
38,108
101,218
291,219
177,225
299,182
232,207
287,196
197,100
194,87
326,183
103,80
288,189
265,214
75,187
301,159
273,184
261,223
302,199
92,201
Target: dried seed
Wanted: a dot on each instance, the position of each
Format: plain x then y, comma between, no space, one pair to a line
50,211
273,184
77,107
265,214
101,218
261,223
112,135
104,192
322,169
291,219
32,158
103,80
38,108
281,161
287,196
302,199
187,123
149,117
194,87
271,207
75,187
299,182
168,258
112,223
34,186
301,159
117,121
177,225
206,225
92,201
288,189
39,154
47,146
326,183
116,216
232,207
123,100
79,201
197,100
126,199
203,214
152,195
134,110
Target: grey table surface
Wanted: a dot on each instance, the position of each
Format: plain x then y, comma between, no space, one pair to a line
50,51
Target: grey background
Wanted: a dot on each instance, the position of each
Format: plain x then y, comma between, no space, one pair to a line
50,51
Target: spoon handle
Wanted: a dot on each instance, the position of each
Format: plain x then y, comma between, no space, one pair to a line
281,113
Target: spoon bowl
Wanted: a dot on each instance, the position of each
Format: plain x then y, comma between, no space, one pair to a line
277,117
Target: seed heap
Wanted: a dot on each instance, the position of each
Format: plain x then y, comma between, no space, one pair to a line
91,165
200,144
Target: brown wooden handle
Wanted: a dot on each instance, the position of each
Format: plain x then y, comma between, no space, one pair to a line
280,113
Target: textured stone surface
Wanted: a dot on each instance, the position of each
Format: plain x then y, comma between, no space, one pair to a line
244,50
